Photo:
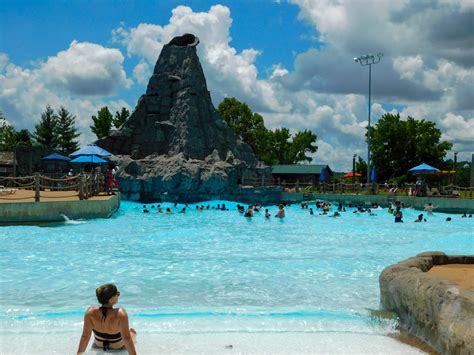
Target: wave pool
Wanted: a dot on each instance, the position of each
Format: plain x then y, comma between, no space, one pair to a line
214,282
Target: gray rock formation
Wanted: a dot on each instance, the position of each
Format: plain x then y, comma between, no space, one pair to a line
175,142
435,310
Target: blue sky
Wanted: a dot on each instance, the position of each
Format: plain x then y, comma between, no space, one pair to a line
46,27
289,60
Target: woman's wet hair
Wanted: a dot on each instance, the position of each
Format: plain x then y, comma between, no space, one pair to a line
104,293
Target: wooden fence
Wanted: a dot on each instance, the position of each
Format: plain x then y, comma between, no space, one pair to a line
82,185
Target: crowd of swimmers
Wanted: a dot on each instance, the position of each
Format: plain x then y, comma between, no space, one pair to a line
322,208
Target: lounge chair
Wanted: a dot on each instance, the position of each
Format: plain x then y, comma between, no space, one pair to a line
6,190
434,191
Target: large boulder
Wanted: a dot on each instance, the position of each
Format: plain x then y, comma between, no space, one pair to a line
175,141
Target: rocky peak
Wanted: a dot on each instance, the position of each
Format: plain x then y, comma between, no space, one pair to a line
176,113
175,142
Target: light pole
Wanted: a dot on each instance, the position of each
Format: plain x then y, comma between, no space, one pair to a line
364,60
353,167
454,167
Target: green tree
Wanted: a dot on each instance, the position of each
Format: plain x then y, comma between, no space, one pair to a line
302,144
22,138
10,138
45,130
279,141
120,117
273,147
361,168
249,126
66,132
7,134
102,123
397,145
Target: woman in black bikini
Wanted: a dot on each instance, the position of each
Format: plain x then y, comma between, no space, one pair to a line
110,325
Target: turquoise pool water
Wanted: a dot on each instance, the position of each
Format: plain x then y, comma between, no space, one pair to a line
188,276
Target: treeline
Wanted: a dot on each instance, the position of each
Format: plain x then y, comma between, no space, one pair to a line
396,144
57,129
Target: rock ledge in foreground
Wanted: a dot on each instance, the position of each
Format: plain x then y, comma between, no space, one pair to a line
433,309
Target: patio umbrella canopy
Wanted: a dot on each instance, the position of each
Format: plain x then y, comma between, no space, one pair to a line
89,159
423,168
56,156
91,149
349,174
322,175
373,176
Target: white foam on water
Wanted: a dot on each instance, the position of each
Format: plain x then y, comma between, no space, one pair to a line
67,220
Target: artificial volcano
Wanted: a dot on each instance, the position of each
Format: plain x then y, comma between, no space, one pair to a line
175,143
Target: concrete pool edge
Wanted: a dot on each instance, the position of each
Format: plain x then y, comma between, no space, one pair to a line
443,204
434,309
53,211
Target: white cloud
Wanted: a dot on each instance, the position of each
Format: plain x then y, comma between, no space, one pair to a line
142,72
77,78
408,66
458,128
278,71
85,69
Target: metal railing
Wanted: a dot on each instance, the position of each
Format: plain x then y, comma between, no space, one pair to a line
362,188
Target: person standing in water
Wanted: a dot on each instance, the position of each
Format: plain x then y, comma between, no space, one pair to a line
249,212
398,215
429,208
281,212
110,325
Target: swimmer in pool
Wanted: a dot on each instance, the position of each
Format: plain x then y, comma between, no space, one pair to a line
249,212
281,212
267,213
420,218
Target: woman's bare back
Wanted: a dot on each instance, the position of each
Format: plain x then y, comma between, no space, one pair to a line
110,325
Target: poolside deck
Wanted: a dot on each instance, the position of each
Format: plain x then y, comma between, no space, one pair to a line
20,207
22,195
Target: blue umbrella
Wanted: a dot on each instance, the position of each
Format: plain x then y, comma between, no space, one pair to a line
91,149
373,176
89,159
423,168
56,156
322,175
